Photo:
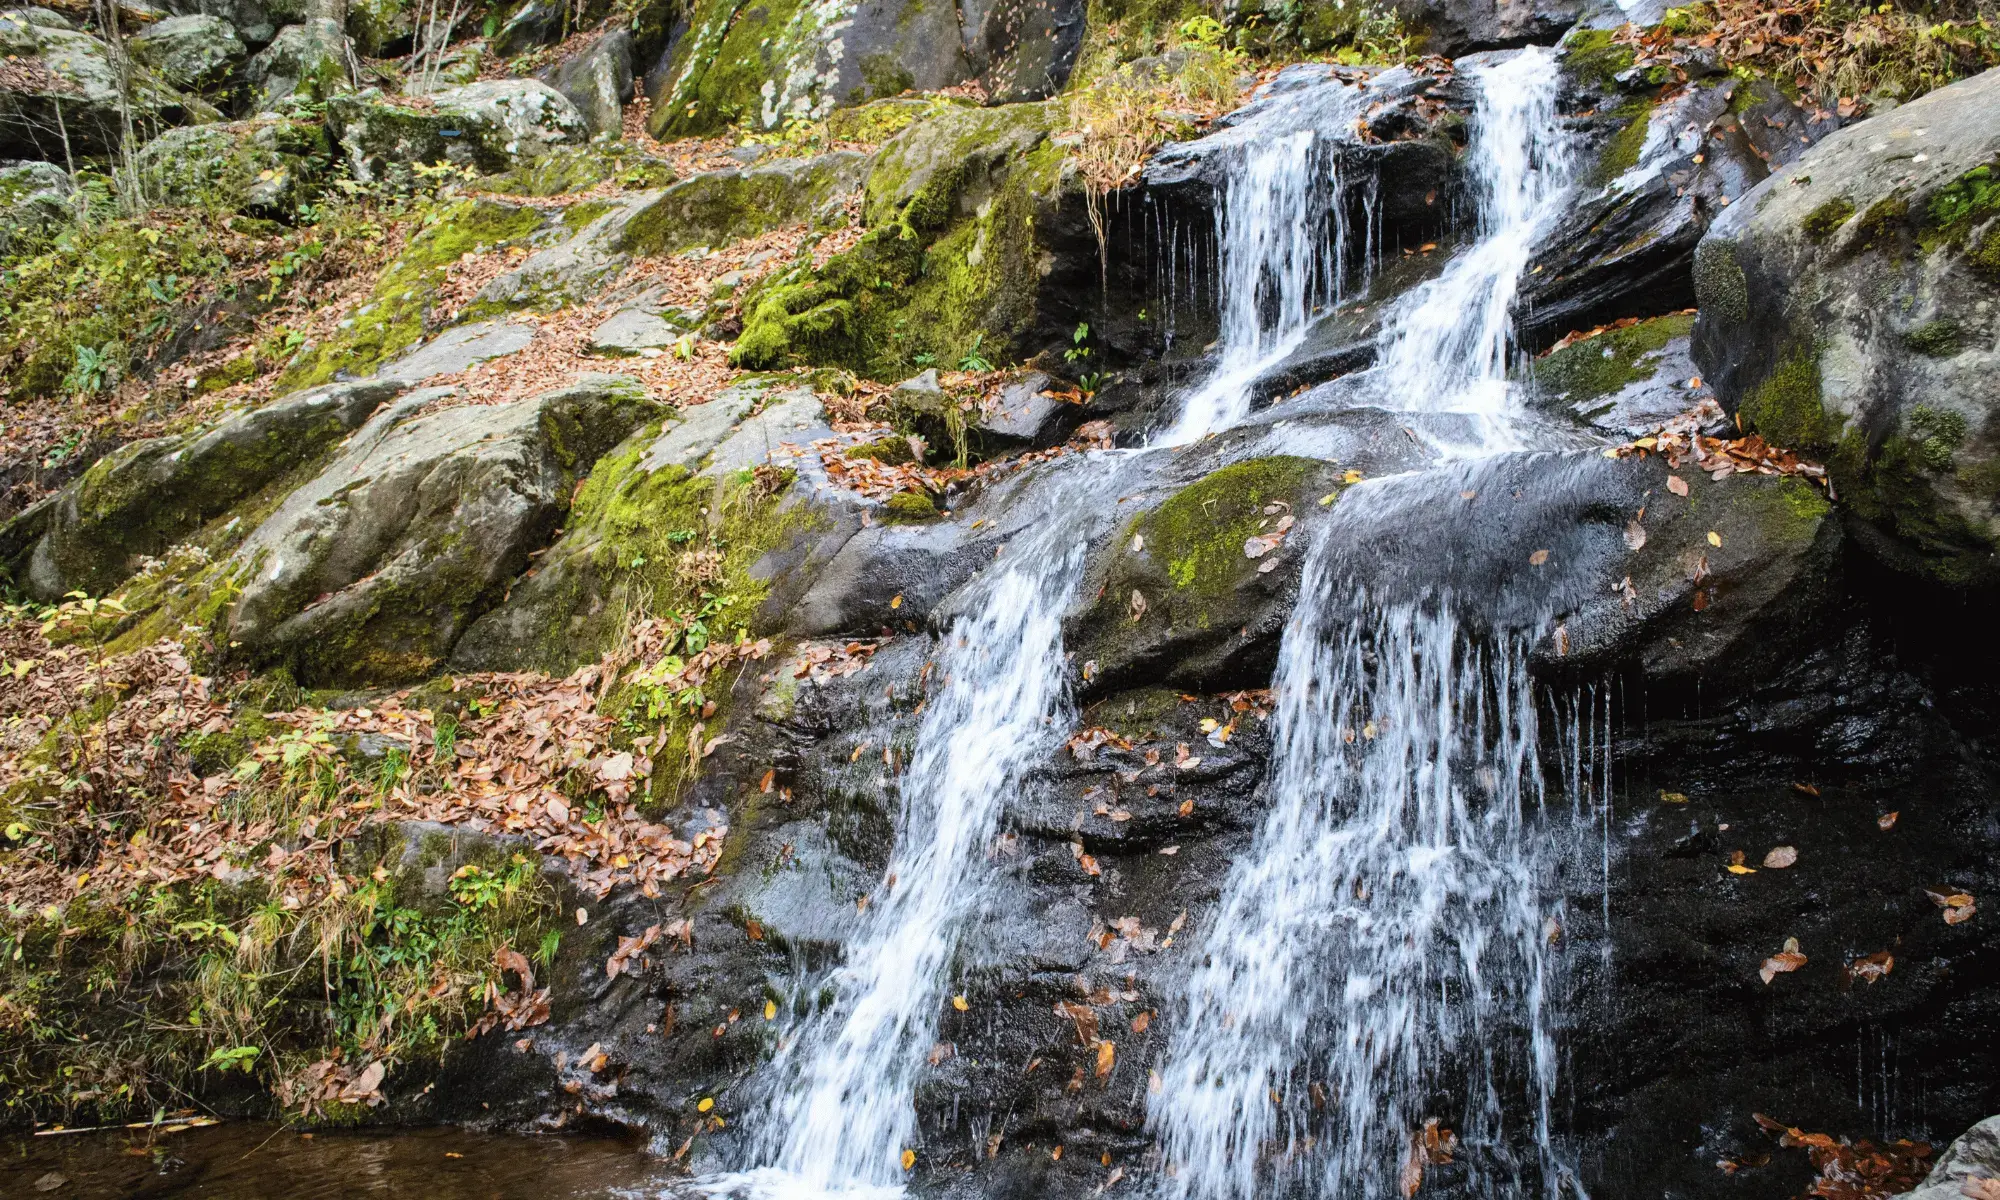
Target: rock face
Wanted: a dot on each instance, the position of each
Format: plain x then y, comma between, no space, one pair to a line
492,125
150,494
34,202
1848,310
310,61
1973,1158
194,53
1455,27
57,67
598,81
369,573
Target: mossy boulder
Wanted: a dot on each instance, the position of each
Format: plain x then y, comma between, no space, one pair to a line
306,63
1181,591
1626,380
674,513
62,92
960,207
380,28
492,126
197,53
369,573
265,167
36,201
714,208
144,497
1848,312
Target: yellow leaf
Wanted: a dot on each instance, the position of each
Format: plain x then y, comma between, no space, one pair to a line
1714,538
1351,477
958,1002
707,1102
770,1010
1107,1054
896,601
909,1159
1327,499
1740,869
1673,798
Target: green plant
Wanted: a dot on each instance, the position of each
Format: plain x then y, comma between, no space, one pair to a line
1077,350
90,372
972,360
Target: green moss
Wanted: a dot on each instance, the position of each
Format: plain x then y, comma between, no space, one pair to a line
1954,209
1595,57
1719,284
1622,152
1883,222
565,169
576,216
1787,408
909,506
1825,221
394,315
884,450
721,66
1937,434
878,121
1937,339
1602,365
1985,257
1198,534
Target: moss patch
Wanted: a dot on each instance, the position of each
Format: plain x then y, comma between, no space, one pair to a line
394,315
1936,339
1622,152
1593,56
1825,221
1599,366
1788,409
1198,534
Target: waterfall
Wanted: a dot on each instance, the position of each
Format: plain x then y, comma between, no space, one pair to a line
1282,233
1447,345
1375,979
841,1114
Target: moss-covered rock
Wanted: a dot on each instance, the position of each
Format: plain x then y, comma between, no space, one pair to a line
953,257
1845,313
718,207
369,572
306,63
398,310
139,500
492,126
267,167
1182,592
567,169
64,92
196,53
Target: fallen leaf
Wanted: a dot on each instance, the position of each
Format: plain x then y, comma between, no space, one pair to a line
1781,857
1887,820
1635,536
1137,606
1677,485
1807,788
1107,1055
1351,477
770,1010
1714,538
896,601
909,1159
1980,1188
707,1102
1538,558
1140,1022
1872,967
1784,962
959,1003
1736,866
1673,798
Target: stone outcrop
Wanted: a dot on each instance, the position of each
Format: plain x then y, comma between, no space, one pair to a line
491,126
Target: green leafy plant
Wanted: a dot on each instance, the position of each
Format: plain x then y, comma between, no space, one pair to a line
972,360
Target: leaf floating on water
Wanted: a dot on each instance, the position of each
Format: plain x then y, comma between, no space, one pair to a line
1887,820
1784,962
1677,485
1872,967
1538,558
1781,857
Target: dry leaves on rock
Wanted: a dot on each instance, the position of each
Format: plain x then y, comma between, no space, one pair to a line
1681,442
1784,962
1860,1170
1958,906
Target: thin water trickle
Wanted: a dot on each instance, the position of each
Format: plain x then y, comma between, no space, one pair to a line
1282,233
841,1112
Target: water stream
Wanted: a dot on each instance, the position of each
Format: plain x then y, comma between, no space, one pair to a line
1377,965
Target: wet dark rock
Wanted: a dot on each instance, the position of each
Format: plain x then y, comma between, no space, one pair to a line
534,23
1455,27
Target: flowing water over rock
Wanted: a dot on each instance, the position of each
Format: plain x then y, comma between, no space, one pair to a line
1378,962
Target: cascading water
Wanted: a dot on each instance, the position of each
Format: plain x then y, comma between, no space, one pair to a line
841,1114
1378,960
1447,346
1281,227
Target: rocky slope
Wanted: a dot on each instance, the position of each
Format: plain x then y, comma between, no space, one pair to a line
579,583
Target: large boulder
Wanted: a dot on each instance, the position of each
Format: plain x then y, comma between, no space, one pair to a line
147,495
250,19
307,62
60,96
1848,309
535,23
1455,27
194,53
369,573
598,81
1968,1164
35,201
492,126
267,166
380,28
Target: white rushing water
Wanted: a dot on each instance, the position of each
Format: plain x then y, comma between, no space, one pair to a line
1379,957
841,1112
1447,345
1282,235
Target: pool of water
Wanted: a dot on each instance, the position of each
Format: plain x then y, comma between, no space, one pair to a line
258,1161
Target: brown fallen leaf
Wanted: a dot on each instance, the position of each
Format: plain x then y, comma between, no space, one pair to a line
1736,866
1677,485
1784,962
1107,1057
1538,558
1635,536
1872,967
1887,820
1807,788
1781,857
1140,1022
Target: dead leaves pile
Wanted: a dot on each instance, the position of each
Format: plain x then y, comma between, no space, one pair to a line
1858,1170
879,480
1681,442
